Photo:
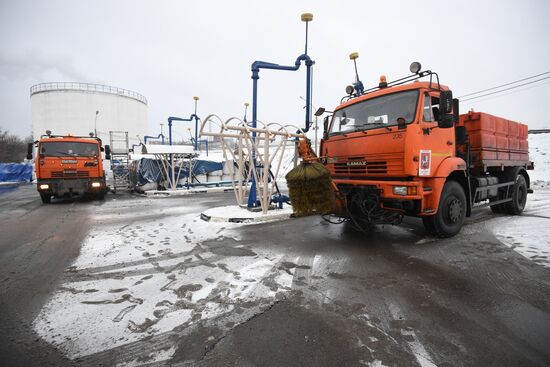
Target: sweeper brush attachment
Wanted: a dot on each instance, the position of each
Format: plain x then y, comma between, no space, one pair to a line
310,189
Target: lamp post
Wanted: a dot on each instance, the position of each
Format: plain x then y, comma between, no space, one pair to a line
95,123
162,132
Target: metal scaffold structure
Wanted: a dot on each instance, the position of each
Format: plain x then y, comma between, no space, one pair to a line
120,157
257,153
173,160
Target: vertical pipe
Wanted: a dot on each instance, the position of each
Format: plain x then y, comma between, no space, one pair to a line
170,139
169,131
308,93
196,127
252,195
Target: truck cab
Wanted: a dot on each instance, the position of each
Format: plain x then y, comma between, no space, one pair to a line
401,148
69,165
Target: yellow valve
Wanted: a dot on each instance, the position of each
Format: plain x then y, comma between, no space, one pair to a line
353,55
307,17
196,98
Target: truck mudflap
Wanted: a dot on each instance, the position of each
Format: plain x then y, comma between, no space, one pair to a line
65,187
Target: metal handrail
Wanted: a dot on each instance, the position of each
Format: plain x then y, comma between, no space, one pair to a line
45,87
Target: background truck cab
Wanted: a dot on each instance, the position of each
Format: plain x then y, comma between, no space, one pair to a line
69,165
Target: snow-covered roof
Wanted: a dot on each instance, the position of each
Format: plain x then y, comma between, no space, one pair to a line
167,149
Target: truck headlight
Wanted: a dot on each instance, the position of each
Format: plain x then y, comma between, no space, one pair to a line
44,186
96,184
400,190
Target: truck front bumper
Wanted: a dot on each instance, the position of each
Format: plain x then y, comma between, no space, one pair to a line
408,197
62,187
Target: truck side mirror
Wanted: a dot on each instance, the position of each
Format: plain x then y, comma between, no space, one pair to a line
30,146
446,121
325,127
446,118
446,101
107,152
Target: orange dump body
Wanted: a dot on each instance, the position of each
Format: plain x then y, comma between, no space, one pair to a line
495,140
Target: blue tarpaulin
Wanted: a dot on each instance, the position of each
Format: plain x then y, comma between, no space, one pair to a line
15,172
146,170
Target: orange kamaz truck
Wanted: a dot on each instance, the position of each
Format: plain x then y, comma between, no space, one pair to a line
403,149
68,166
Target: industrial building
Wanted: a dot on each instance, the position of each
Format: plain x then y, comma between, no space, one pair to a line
81,108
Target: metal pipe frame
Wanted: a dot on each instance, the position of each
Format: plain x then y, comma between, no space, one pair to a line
267,135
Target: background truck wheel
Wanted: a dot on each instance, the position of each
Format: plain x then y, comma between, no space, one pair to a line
519,197
46,199
450,214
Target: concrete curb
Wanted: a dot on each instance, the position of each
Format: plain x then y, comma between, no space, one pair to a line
236,214
183,192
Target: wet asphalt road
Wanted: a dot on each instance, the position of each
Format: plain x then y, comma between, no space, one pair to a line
394,297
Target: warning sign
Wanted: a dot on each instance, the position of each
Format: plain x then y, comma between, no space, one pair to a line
425,163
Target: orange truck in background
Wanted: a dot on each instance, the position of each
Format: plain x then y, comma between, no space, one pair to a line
403,149
68,166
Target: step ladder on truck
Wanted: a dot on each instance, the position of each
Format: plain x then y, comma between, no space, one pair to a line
119,158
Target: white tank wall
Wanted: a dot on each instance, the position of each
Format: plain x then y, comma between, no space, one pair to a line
73,111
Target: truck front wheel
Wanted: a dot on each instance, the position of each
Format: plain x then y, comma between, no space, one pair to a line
46,198
451,212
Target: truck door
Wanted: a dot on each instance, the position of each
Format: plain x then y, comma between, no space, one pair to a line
437,144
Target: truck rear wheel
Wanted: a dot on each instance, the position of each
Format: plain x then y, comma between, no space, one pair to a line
519,197
46,198
451,212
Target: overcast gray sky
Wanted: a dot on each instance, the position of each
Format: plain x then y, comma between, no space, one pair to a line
172,50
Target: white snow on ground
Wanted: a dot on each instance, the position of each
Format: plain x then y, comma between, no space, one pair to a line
539,152
529,234
144,274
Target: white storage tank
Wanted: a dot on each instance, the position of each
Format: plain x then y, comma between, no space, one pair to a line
81,108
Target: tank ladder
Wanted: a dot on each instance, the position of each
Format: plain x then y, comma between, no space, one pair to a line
120,157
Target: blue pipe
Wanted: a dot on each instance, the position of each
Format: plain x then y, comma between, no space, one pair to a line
256,66
193,116
153,138
171,118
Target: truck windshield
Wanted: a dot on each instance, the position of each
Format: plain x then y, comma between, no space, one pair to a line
376,112
68,149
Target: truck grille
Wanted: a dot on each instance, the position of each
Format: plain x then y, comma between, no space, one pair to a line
70,174
378,167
